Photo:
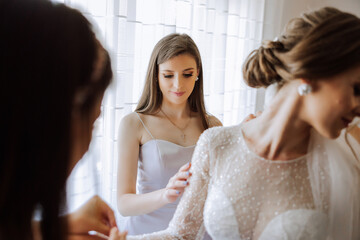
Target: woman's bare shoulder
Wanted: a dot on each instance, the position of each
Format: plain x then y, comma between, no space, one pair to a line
131,122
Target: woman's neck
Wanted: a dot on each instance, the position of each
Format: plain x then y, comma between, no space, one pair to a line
279,133
176,111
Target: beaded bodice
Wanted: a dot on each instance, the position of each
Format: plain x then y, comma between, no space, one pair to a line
236,194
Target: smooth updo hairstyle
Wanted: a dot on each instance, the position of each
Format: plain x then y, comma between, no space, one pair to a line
319,44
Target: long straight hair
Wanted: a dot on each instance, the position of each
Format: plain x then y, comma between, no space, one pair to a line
168,47
47,56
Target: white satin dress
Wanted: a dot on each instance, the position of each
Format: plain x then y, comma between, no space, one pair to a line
158,161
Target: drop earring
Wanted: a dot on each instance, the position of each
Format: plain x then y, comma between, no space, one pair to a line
304,89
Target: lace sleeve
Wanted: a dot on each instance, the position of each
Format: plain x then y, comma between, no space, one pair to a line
187,222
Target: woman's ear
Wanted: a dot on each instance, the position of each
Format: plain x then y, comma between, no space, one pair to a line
305,81
314,84
305,87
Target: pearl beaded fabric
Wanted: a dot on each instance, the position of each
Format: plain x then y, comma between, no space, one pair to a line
235,194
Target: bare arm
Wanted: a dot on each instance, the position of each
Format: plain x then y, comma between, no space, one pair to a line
187,221
130,203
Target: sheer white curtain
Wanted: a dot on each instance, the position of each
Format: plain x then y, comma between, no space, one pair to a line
225,32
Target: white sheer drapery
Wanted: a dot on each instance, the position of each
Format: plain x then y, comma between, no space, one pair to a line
225,32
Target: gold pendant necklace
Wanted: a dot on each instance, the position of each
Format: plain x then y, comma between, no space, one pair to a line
183,135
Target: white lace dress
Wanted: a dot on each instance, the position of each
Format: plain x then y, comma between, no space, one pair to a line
236,194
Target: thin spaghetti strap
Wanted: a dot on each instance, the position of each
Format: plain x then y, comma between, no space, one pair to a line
144,125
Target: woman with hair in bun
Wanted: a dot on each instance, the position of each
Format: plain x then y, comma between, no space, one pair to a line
282,175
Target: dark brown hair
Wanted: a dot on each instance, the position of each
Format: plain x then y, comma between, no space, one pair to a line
48,54
168,47
319,44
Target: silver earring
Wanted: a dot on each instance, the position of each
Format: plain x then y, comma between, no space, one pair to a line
197,78
304,89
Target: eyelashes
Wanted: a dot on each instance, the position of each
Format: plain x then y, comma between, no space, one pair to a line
186,75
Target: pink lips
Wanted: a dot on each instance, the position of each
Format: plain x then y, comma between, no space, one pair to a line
178,94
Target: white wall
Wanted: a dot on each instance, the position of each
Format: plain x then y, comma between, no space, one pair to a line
293,8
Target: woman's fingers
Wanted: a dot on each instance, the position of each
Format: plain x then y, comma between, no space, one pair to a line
116,235
172,194
177,188
82,237
102,228
183,172
258,113
185,167
182,175
179,180
178,183
248,118
109,216
181,184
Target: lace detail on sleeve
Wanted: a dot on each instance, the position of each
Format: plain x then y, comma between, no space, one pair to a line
187,222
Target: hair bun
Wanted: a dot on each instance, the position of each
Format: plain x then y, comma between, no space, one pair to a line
274,45
260,67
318,44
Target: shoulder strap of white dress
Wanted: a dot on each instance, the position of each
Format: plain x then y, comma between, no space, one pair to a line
144,125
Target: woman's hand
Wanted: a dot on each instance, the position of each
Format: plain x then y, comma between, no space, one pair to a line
177,184
251,116
95,214
113,235
116,235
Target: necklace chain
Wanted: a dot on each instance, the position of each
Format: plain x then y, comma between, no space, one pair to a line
183,135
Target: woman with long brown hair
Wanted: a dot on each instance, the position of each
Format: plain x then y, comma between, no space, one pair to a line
159,138
53,75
